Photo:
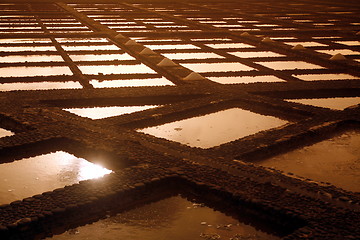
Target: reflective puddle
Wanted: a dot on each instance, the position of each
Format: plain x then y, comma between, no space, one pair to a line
104,112
26,48
89,47
34,71
173,218
342,51
38,86
214,129
197,55
289,65
245,79
5,133
217,67
327,76
35,175
256,54
335,160
131,83
101,57
31,58
115,69
229,45
306,44
349,43
332,103
174,46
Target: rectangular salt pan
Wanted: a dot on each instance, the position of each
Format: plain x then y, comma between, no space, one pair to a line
101,57
38,86
197,55
335,160
332,103
245,79
116,69
30,58
229,45
289,65
35,175
131,83
5,133
214,129
217,67
173,218
34,71
105,112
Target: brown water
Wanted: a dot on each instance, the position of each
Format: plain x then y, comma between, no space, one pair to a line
332,103
35,175
336,160
214,129
104,112
173,218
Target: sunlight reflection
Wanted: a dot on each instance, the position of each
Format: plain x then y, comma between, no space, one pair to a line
90,171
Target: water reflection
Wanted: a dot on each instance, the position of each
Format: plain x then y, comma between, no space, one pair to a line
26,48
101,57
333,103
229,45
289,65
174,46
342,51
116,69
256,54
335,160
34,71
245,79
38,86
197,55
31,58
5,133
131,83
217,67
214,129
173,218
326,76
89,47
104,112
30,176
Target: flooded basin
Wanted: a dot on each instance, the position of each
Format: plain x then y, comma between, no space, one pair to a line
131,83
332,103
34,71
30,58
100,57
35,175
38,86
326,76
256,54
5,133
336,160
116,69
214,129
196,55
289,65
173,218
245,79
217,67
104,112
